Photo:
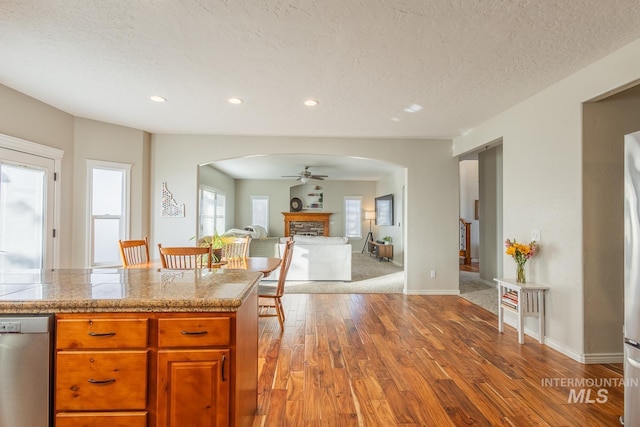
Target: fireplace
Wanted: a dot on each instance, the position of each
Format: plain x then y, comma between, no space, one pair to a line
307,223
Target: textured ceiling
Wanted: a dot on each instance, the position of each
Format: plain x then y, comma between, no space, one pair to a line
366,61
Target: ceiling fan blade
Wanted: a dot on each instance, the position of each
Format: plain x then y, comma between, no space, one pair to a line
319,176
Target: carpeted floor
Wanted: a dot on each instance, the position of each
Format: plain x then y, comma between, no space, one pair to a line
478,291
370,275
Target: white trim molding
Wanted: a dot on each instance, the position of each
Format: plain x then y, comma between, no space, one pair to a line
55,154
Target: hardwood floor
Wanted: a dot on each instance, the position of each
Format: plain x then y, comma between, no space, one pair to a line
398,360
474,267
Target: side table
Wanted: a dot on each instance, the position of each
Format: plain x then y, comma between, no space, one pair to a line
380,250
526,300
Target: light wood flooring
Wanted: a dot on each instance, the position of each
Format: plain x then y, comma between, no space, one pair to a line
398,360
474,267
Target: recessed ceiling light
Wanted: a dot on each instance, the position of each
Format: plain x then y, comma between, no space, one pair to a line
235,101
157,98
311,102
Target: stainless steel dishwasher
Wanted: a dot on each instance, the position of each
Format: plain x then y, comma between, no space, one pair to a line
25,370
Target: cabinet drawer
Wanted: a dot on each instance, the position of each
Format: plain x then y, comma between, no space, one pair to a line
102,333
101,419
194,332
101,380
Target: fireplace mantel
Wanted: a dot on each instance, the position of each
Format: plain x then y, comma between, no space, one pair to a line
290,217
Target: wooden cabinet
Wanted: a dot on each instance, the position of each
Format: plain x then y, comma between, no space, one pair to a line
157,369
101,419
380,250
193,379
101,380
101,368
193,388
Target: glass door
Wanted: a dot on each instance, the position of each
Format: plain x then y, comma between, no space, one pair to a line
26,210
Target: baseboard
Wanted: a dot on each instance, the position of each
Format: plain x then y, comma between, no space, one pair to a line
585,359
600,358
560,349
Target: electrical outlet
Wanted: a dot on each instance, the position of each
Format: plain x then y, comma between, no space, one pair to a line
535,235
433,274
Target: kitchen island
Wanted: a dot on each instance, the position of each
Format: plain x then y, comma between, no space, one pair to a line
146,347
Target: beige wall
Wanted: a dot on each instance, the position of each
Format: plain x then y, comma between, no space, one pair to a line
604,126
214,179
29,119
431,183
102,141
469,193
80,139
543,173
490,192
278,192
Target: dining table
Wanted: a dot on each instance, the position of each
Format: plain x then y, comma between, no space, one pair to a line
264,265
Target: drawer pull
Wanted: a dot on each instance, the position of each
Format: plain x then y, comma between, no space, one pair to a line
224,359
107,381
101,334
194,332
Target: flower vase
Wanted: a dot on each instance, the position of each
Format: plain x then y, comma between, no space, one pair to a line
520,274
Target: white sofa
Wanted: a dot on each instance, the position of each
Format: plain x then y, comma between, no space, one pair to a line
318,258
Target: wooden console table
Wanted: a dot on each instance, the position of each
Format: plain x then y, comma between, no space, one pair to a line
381,250
525,300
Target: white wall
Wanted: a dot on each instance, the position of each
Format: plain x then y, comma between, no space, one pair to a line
542,183
431,184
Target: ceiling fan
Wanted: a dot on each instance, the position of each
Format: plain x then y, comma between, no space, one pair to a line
305,176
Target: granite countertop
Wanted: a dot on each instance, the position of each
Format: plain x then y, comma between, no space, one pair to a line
124,290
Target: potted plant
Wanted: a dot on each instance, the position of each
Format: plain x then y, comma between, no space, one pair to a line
387,240
215,242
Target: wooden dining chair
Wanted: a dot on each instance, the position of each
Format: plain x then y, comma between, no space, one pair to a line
185,258
235,247
134,252
269,297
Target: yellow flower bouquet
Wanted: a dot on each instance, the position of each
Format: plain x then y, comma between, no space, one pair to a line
521,253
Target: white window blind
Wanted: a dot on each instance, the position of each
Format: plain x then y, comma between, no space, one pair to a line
353,216
108,210
260,211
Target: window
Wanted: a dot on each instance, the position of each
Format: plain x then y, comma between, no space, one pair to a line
260,211
353,216
108,198
212,212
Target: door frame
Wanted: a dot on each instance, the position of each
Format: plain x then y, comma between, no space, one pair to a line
55,154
